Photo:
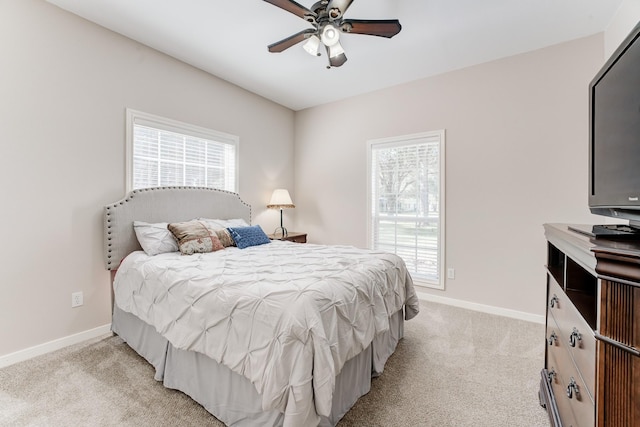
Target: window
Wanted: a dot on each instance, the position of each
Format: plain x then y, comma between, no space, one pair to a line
164,152
406,202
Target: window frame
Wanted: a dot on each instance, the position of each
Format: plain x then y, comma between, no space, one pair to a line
135,117
407,140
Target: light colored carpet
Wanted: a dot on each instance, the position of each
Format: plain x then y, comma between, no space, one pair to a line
453,368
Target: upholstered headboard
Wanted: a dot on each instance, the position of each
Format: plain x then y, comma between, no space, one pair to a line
163,204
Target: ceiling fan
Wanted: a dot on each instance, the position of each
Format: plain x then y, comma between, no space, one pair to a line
326,16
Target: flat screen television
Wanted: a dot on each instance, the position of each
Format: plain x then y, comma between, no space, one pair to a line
614,134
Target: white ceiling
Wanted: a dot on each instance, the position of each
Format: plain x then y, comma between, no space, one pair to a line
229,38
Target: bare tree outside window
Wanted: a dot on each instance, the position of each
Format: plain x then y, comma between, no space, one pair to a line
405,200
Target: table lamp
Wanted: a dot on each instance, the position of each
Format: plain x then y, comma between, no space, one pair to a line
280,199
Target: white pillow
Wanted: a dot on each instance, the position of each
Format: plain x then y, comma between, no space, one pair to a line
216,224
155,238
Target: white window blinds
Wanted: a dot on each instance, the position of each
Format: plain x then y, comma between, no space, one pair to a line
164,152
406,200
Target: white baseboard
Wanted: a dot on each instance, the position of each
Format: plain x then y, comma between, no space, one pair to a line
515,314
48,347
54,345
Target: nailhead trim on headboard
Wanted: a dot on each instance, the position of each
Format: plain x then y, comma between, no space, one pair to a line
111,263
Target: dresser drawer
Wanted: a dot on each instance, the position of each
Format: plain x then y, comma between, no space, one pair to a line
558,350
557,387
575,406
574,334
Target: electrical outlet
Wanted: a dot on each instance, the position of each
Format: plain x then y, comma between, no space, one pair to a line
451,273
76,299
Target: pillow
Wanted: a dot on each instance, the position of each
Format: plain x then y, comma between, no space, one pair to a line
217,224
248,236
225,237
155,238
220,228
194,237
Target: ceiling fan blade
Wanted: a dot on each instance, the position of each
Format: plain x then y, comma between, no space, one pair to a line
382,28
295,8
337,8
291,40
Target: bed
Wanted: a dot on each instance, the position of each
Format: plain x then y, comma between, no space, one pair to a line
277,334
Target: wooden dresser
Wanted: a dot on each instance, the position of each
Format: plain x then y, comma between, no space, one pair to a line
592,362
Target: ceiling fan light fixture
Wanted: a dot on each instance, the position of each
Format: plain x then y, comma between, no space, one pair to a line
326,16
312,46
335,50
330,35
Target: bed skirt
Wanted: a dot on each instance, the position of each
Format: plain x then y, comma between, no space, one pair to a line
232,398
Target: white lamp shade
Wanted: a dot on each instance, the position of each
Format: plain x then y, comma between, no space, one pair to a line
330,35
312,45
335,50
280,199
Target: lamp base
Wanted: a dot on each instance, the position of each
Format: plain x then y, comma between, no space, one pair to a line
282,231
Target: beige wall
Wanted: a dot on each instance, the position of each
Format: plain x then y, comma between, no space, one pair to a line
64,87
516,158
516,147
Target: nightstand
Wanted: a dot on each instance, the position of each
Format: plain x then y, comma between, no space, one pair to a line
290,237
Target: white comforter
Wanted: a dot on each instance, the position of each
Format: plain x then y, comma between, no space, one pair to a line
286,316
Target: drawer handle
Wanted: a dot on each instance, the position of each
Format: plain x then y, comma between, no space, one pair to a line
552,338
551,375
574,337
572,389
553,301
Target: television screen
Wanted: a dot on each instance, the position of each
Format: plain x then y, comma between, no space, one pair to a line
615,133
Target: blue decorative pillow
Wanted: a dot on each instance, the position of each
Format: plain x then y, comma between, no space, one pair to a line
248,236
